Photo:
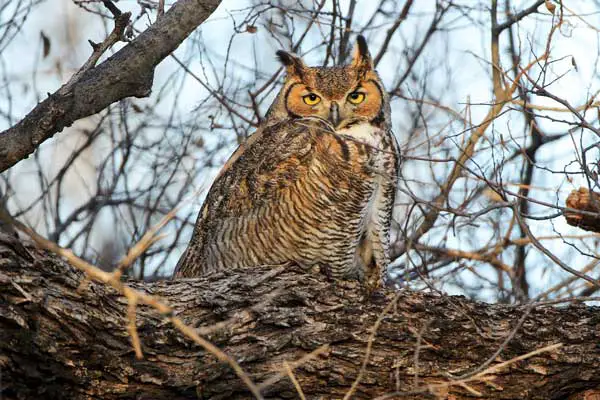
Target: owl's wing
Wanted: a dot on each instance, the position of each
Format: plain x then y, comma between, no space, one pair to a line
253,180
271,160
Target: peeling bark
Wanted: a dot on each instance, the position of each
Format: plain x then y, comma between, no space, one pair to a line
63,337
128,73
584,200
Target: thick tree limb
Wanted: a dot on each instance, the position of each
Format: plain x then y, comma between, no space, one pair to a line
127,73
64,337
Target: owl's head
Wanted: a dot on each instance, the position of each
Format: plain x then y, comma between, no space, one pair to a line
337,94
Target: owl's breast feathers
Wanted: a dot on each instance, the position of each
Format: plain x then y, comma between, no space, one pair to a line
295,191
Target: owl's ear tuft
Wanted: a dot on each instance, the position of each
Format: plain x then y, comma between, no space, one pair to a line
362,60
292,63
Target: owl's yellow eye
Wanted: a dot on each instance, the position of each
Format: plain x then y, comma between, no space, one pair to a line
356,97
311,99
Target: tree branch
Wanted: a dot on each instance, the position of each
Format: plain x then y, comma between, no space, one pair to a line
502,96
514,18
62,336
127,73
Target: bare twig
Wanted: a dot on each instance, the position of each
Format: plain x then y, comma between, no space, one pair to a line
137,297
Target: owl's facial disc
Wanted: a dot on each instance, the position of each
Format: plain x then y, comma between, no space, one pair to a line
362,100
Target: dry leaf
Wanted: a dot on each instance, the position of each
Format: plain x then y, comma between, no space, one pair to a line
492,195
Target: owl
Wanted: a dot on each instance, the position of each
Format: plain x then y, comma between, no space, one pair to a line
314,185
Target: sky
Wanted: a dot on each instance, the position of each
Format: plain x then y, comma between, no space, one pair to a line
458,62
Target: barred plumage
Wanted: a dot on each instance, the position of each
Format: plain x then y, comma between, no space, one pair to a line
315,185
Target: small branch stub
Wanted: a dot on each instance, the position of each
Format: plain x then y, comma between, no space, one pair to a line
584,200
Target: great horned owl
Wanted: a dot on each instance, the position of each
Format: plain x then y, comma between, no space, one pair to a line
314,185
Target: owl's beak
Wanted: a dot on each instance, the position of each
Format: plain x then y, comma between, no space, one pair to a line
334,114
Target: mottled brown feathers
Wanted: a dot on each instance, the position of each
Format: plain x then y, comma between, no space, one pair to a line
361,61
293,64
315,184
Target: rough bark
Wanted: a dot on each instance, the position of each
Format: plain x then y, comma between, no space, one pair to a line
64,337
128,73
584,200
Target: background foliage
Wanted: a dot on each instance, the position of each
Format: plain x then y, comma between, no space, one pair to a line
494,105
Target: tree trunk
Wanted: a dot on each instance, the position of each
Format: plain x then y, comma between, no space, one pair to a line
64,337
